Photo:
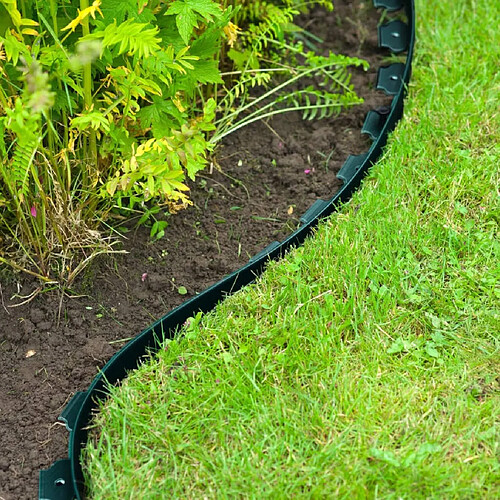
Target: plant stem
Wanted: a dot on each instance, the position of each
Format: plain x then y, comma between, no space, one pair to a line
23,9
53,14
258,117
3,99
50,130
323,69
222,123
46,279
287,69
87,86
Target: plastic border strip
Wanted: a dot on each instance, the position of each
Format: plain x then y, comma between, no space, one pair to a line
64,479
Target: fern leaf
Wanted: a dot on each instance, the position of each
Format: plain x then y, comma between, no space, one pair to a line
19,171
272,25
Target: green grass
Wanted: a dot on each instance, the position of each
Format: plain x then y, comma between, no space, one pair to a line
365,364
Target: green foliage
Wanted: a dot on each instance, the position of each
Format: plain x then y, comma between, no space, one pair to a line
107,101
110,106
189,13
154,172
335,93
132,38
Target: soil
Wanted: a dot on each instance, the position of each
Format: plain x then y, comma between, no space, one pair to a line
270,174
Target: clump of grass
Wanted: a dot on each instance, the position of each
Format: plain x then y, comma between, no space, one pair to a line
365,364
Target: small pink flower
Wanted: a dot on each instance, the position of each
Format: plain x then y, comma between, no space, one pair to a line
307,171
144,276
33,211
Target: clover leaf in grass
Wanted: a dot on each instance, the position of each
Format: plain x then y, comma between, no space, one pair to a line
400,345
386,456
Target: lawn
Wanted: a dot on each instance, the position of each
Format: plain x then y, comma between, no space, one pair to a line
365,363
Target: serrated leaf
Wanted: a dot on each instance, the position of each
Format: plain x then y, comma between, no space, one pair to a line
206,45
192,167
186,23
122,10
206,72
161,115
188,12
132,37
93,120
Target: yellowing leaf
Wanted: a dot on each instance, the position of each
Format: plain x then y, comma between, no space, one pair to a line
111,186
83,14
178,185
173,174
29,31
151,185
145,147
29,22
178,104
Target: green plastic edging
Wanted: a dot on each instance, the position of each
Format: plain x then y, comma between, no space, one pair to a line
64,479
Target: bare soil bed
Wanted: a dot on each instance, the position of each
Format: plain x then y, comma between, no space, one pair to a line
270,174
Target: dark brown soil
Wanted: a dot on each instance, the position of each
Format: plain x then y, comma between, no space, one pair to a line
270,175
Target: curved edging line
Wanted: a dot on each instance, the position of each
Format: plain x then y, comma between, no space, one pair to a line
64,479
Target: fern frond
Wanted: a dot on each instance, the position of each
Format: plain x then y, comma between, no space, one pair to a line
257,10
316,104
19,171
337,93
259,79
304,6
271,26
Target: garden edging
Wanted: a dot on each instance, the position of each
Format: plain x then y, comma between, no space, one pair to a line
64,480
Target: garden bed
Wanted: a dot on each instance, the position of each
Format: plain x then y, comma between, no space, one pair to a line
270,174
